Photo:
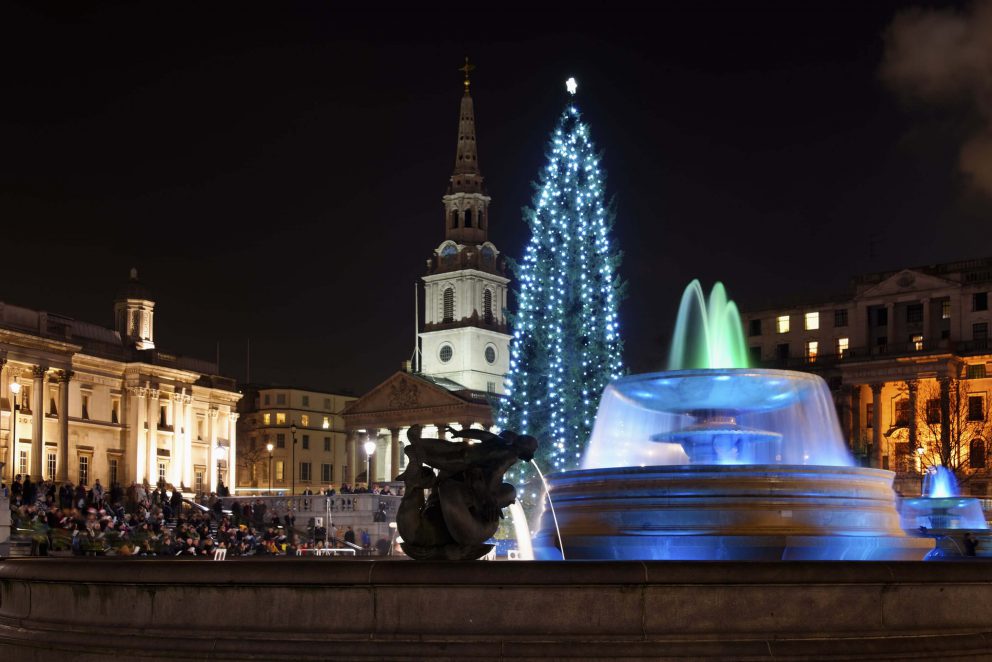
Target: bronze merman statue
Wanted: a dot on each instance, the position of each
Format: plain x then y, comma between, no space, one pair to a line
467,494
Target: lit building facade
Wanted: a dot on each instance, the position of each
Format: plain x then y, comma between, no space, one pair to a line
908,359
280,415
99,403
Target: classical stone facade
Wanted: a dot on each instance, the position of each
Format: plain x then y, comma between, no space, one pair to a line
907,356
99,403
307,433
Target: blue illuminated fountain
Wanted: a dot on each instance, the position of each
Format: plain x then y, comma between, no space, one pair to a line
714,460
943,513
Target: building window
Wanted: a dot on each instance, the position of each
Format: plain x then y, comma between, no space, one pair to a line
869,414
468,218
306,442
448,303
902,412
84,470
53,409
305,471
980,301
755,354
280,398
782,351
163,417
754,327
487,304
50,466
114,465
267,399
812,321
85,413
976,454
267,419
490,354
445,353
326,424
115,411
917,340
945,309
304,420
454,219
280,440
22,462
933,411
812,348
782,323
980,331
198,480
280,418
975,371
327,403
306,400
490,387
976,408
199,429
840,317
161,471
327,473
280,472
327,444
843,344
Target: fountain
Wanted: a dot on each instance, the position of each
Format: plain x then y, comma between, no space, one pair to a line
941,512
713,460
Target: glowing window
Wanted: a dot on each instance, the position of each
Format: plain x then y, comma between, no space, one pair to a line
917,342
279,470
812,347
305,420
327,423
842,346
267,419
945,309
782,323
280,418
812,321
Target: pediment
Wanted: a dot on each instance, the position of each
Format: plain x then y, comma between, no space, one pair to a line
907,281
403,391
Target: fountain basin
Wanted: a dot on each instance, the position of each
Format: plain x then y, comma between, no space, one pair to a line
727,512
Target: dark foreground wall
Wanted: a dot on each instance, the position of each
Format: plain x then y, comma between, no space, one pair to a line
95,609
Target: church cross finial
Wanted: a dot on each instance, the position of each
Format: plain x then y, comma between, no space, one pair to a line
466,68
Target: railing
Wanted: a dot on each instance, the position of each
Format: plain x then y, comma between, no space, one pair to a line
317,505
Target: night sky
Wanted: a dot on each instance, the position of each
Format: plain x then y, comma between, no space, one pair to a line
275,171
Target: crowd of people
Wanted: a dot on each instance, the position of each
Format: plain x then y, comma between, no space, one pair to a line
144,521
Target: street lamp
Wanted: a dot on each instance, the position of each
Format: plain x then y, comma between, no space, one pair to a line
269,448
292,430
15,388
369,449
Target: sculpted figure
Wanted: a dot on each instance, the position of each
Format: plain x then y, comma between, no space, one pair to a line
467,493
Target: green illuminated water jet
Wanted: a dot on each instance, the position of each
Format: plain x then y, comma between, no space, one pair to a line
707,335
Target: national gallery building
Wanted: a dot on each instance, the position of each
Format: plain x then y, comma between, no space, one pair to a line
81,402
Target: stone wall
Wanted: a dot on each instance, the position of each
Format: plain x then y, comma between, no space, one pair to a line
357,609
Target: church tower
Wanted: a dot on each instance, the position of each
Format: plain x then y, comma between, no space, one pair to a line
133,312
465,337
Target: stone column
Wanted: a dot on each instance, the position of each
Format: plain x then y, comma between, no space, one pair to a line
349,457
856,417
212,451
187,479
441,434
37,422
139,447
151,447
178,458
876,425
62,475
232,452
914,440
395,446
945,418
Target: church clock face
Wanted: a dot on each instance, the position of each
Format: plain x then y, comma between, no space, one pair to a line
445,353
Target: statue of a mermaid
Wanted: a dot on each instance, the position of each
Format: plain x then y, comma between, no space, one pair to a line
467,492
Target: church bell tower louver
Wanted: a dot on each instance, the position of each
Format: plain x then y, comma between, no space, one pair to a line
465,337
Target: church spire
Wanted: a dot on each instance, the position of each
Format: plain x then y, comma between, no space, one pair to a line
466,202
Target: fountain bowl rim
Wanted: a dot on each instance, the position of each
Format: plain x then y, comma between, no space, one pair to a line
579,474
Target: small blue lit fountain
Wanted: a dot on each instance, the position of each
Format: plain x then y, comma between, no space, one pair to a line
943,513
713,460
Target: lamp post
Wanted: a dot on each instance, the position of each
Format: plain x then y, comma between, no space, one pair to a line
369,449
292,430
269,448
15,388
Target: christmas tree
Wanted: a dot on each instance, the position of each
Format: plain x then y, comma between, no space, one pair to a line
566,338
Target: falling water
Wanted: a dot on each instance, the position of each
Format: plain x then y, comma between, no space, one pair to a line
522,531
551,505
707,336
940,483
